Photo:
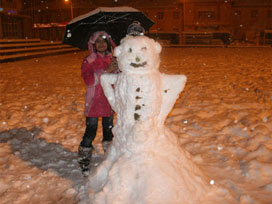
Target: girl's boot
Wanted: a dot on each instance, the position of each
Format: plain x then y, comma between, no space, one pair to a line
85,155
85,148
106,145
107,123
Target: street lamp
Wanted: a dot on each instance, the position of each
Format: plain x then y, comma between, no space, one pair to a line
71,5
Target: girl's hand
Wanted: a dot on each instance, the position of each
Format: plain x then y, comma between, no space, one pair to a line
113,66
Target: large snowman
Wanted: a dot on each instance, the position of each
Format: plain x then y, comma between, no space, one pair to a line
145,163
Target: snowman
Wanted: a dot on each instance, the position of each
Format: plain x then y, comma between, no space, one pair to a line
145,163
142,97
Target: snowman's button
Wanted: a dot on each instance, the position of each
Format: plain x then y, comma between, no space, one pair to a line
137,107
136,116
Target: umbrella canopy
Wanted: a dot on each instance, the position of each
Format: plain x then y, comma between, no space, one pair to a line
113,20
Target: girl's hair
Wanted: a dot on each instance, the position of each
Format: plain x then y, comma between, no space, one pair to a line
108,45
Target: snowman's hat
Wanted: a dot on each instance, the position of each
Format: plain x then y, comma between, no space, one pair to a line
135,29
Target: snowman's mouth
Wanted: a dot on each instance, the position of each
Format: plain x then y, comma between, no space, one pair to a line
138,65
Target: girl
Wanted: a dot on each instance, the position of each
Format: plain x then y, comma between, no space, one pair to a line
99,61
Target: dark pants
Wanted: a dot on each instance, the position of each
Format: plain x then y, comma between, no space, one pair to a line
91,128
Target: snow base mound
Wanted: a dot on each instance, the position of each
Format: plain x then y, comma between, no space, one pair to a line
156,172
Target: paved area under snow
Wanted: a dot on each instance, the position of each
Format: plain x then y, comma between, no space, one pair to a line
223,118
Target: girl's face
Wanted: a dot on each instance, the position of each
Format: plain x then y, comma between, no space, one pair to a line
101,44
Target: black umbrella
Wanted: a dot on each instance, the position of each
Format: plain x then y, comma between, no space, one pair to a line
113,20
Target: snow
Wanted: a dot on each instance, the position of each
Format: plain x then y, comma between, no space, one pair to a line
38,160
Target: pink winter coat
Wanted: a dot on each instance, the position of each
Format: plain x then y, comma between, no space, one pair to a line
96,103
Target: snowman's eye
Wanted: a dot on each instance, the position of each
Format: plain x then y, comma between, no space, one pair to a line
130,50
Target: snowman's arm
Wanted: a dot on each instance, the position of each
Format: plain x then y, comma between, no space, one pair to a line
172,85
107,80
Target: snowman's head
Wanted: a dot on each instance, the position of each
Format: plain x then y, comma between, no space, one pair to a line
138,54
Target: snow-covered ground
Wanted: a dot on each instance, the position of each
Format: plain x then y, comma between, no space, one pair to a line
223,118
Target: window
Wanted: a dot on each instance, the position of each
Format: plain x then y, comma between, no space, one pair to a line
206,15
47,18
175,15
254,13
84,1
40,19
269,13
237,13
10,27
160,15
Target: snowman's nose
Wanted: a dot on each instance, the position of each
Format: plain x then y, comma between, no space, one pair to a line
138,59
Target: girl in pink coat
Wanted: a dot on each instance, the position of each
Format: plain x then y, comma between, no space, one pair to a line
99,61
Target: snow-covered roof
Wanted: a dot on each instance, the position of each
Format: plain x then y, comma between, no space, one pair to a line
104,9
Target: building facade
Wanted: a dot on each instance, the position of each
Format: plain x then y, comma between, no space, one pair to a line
176,21
49,17
251,20
13,24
